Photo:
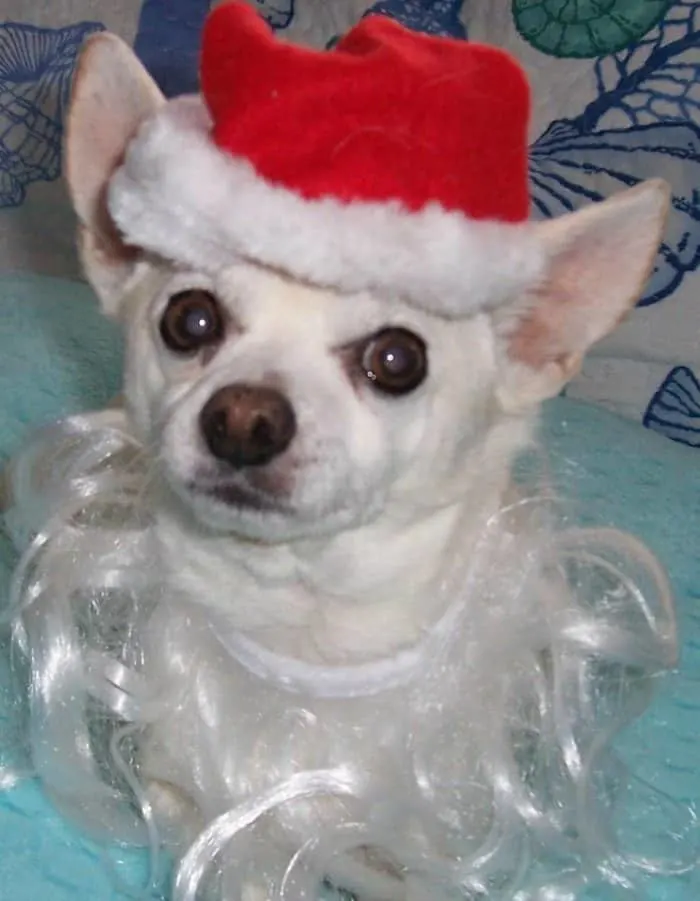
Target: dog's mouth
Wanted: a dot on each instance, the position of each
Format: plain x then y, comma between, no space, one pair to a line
239,497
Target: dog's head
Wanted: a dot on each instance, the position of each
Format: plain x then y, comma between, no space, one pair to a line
278,408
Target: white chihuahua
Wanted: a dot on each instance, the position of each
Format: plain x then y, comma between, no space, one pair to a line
320,453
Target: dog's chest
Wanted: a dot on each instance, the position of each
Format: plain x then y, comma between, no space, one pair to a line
414,751
353,597
232,737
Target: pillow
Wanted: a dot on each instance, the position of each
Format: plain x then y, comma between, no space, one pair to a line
60,356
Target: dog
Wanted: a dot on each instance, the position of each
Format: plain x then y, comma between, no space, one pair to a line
319,453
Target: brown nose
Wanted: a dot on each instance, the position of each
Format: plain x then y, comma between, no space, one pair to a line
247,425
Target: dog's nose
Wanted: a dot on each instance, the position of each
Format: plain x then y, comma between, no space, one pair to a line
247,425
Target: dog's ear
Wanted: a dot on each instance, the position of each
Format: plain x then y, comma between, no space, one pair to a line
597,262
112,95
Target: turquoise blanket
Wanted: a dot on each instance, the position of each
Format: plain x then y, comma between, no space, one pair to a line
58,356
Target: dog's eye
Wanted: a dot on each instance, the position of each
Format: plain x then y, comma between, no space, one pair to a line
395,360
192,320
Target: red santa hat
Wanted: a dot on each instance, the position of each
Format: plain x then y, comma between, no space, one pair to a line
395,163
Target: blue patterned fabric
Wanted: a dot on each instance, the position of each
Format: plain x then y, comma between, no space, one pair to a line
439,17
643,121
167,42
36,67
674,409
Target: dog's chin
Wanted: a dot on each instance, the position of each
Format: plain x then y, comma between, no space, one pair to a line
237,497
253,515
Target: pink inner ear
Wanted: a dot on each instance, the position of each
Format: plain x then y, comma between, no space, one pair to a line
584,297
531,342
541,335
106,232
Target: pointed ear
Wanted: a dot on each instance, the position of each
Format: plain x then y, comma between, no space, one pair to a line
597,262
112,94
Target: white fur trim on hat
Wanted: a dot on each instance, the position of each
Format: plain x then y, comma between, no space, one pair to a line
181,197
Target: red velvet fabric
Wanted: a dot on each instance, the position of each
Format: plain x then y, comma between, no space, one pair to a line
388,114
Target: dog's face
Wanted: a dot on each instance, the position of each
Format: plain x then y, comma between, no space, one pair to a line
280,410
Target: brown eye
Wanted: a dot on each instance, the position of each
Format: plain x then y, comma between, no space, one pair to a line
395,360
192,320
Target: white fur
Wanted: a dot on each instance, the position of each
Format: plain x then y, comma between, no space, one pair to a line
179,196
